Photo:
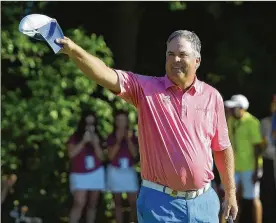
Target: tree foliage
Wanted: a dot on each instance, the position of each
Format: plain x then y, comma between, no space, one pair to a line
42,98
43,93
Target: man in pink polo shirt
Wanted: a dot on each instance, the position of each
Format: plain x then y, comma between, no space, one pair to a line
181,121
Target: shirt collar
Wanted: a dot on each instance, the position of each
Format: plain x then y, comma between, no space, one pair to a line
196,84
245,116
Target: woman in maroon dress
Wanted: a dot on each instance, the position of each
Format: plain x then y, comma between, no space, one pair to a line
87,178
122,148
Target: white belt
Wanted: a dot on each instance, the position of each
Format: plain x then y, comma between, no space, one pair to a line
186,194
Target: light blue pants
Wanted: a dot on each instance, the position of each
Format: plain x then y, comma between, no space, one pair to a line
154,206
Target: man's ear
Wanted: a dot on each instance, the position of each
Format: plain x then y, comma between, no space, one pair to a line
198,60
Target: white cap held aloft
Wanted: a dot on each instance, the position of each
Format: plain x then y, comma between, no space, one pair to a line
42,27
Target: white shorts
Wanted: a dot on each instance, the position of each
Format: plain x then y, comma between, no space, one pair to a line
249,189
121,179
94,180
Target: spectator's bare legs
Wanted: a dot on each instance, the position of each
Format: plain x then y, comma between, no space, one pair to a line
78,205
220,193
251,211
257,210
4,190
6,185
239,199
92,206
132,203
118,207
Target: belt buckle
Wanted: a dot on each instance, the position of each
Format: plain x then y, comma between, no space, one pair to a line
173,193
187,196
190,195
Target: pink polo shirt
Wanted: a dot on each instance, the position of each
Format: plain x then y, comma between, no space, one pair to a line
177,130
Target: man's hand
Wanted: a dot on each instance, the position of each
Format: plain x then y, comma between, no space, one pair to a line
230,205
68,45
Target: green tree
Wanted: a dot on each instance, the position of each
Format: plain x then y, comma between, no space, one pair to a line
42,98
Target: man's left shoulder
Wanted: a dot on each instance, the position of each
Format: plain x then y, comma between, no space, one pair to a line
212,91
252,120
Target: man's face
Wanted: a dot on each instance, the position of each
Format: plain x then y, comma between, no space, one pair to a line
238,112
181,62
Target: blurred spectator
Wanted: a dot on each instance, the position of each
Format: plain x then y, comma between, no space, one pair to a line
245,135
121,175
6,185
228,109
87,173
273,107
268,182
19,214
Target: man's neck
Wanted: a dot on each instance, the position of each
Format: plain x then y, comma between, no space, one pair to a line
186,84
241,115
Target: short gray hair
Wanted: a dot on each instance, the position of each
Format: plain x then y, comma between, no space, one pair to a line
189,36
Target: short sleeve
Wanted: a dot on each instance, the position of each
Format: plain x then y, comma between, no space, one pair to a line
221,139
130,87
255,133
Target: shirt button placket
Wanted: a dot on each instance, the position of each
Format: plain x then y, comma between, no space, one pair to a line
184,107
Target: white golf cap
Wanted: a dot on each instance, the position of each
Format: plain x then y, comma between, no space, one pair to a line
230,104
42,27
236,101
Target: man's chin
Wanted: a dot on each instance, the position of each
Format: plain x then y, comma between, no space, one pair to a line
179,74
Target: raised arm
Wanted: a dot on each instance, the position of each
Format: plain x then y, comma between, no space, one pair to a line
93,67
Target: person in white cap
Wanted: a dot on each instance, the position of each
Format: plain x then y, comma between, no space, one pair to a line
228,105
246,139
